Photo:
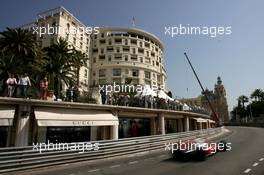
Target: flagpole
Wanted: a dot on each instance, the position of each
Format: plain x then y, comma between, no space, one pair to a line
133,22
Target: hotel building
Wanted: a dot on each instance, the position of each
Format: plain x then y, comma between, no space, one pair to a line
122,54
60,23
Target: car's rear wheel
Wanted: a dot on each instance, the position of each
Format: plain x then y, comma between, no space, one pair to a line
177,155
200,155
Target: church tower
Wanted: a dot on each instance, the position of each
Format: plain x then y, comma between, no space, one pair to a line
221,101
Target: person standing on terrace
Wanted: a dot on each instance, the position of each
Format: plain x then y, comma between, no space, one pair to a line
43,88
24,82
11,83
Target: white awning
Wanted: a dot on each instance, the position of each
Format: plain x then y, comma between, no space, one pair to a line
147,91
74,117
211,121
200,120
162,94
186,107
7,114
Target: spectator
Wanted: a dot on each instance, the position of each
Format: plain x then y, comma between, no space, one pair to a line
43,88
69,94
11,83
24,82
75,93
126,100
107,99
103,96
134,129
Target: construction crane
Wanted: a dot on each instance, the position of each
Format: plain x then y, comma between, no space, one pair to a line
215,116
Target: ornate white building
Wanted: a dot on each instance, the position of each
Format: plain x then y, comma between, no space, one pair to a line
120,54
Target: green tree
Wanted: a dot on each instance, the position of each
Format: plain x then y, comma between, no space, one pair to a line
58,66
20,53
257,94
261,96
22,45
242,100
79,59
241,105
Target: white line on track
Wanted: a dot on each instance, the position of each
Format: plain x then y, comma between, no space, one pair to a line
90,171
115,166
261,159
247,170
255,164
130,163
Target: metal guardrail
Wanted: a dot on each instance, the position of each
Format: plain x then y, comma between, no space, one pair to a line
23,158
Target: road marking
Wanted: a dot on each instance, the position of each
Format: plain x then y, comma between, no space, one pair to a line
255,164
115,166
148,159
261,159
72,174
130,163
90,171
162,156
247,170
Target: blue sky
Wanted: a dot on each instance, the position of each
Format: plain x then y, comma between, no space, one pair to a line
237,58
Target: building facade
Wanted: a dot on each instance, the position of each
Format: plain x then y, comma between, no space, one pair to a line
60,23
123,54
217,98
114,54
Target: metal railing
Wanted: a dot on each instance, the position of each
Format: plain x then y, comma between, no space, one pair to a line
23,158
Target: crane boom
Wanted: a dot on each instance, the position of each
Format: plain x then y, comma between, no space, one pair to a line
207,98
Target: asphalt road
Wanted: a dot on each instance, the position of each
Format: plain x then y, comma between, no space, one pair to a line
245,157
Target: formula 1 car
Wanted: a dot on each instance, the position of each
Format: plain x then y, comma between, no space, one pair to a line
197,149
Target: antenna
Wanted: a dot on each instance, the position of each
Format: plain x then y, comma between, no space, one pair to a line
207,98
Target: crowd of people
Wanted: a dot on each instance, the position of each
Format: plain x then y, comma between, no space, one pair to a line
124,99
19,88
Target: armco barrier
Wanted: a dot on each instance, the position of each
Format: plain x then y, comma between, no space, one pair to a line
22,158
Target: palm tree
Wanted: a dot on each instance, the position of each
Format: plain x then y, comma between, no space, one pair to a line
241,105
79,59
58,65
256,94
261,96
20,53
242,100
7,65
22,45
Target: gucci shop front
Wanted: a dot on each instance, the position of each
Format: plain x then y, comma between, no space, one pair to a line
61,125
7,114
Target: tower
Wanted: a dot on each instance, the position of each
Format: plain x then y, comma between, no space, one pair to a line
220,101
